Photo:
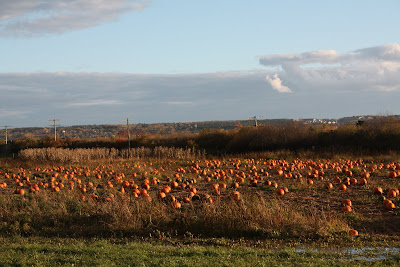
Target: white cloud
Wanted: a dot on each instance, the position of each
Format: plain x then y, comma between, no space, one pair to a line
374,68
322,84
324,56
276,84
388,52
38,17
95,103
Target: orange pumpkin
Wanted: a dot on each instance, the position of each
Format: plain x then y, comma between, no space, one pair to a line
235,185
329,186
353,232
235,195
347,208
378,190
176,204
392,193
346,202
280,192
390,205
363,181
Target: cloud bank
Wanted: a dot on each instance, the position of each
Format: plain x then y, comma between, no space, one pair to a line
321,84
94,98
374,68
38,17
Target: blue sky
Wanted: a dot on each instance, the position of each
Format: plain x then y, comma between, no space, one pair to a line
98,61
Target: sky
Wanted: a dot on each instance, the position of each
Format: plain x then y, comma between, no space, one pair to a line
101,61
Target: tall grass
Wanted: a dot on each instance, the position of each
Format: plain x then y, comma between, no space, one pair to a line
63,214
79,155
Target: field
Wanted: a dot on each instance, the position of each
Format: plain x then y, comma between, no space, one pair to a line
189,209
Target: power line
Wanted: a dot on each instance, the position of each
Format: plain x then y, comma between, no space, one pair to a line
255,119
55,128
129,135
6,129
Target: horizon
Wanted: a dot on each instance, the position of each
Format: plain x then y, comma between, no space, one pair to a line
91,63
233,120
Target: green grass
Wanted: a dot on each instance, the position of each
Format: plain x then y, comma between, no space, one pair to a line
108,252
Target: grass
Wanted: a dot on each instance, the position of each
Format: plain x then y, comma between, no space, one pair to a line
79,155
63,214
218,252
88,222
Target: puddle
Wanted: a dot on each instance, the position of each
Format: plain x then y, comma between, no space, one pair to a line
367,253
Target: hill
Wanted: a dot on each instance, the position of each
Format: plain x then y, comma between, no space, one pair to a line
117,130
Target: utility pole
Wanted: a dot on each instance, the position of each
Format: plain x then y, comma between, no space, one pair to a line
6,129
255,119
129,136
55,128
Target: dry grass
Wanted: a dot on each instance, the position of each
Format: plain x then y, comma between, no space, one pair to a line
65,215
304,211
81,155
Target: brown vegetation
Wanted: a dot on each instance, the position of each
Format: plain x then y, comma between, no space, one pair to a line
376,136
219,197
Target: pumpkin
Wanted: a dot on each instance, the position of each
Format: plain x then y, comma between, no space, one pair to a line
239,180
176,204
353,232
143,192
19,191
235,195
392,193
389,205
363,181
280,192
346,202
235,185
166,189
329,186
365,175
378,190
193,190
347,208
353,181
146,186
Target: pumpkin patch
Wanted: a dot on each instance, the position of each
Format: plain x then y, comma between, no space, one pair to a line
336,188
